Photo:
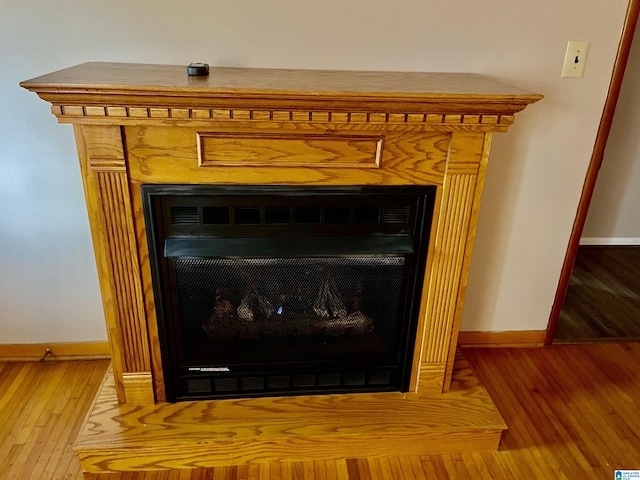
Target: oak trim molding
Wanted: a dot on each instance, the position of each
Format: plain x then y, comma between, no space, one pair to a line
277,116
59,351
289,150
513,338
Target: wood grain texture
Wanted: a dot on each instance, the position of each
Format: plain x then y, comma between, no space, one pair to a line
302,428
458,215
59,350
42,406
246,150
157,373
475,156
113,190
105,154
449,254
431,378
126,85
165,155
102,160
603,298
138,388
102,255
576,405
515,338
207,116
421,328
572,411
104,149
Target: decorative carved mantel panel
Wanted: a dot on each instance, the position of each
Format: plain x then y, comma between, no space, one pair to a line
139,124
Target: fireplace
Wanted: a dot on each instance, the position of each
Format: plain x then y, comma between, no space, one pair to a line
139,126
286,290
278,203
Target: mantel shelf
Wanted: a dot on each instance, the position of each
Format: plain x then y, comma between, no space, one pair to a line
122,84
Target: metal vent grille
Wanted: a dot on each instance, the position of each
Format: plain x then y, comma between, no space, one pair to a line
224,385
329,379
277,215
247,215
300,216
277,382
366,215
216,216
381,377
199,386
252,384
337,215
395,215
304,380
184,215
353,379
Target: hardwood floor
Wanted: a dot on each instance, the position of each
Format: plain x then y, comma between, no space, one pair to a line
572,412
603,299
42,406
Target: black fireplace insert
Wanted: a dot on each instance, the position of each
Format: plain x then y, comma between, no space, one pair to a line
281,290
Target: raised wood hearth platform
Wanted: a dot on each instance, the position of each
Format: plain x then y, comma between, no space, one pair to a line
123,437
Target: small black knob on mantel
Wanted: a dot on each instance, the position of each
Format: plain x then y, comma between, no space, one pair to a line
198,69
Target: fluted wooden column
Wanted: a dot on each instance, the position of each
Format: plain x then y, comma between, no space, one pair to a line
459,205
102,159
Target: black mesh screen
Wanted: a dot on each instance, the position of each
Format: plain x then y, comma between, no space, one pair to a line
236,311
278,290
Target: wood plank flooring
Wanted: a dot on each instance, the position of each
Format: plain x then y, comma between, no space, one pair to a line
572,411
42,406
603,298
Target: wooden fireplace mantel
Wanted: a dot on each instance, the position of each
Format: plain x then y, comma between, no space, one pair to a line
152,124
137,124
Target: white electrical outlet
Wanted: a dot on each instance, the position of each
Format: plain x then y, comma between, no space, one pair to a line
575,59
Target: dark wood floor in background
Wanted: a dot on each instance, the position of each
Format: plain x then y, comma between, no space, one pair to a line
603,299
572,412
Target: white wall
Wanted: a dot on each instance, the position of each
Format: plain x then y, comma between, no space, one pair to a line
613,216
48,287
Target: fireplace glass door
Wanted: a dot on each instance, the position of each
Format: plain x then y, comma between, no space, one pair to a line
286,291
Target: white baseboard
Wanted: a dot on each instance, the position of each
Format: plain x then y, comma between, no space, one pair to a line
610,241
